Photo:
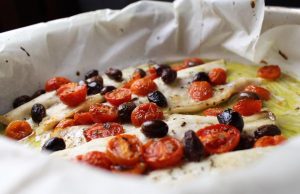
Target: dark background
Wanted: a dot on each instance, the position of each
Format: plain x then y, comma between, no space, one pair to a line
19,13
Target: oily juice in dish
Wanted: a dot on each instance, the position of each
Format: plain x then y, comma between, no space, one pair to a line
285,97
284,103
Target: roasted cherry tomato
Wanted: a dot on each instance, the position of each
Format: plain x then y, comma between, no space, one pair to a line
55,82
100,130
152,74
269,141
72,94
248,107
18,130
263,93
162,153
179,67
145,112
83,118
191,62
219,138
217,76
95,158
137,169
118,96
270,72
65,123
142,87
213,111
103,113
124,149
200,90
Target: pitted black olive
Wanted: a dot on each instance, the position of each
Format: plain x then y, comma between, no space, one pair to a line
168,76
114,74
38,93
97,79
193,148
155,129
230,117
246,142
160,67
267,130
248,95
141,72
125,110
91,73
158,98
38,112
94,88
21,100
106,89
201,76
54,144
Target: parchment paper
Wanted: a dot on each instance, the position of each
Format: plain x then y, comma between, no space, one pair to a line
142,32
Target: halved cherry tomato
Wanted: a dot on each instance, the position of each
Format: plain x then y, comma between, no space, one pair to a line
200,90
118,96
124,149
83,118
103,113
263,93
162,153
217,76
18,130
152,73
100,130
139,168
248,107
213,111
135,76
219,138
72,94
179,67
190,62
270,72
143,86
145,112
55,82
66,123
269,141
95,158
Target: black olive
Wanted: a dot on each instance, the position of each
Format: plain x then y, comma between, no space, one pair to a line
248,95
38,93
141,72
54,144
94,88
125,110
114,74
169,76
91,73
38,112
158,98
21,100
201,76
106,89
246,142
160,67
267,130
97,79
155,129
193,148
230,117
